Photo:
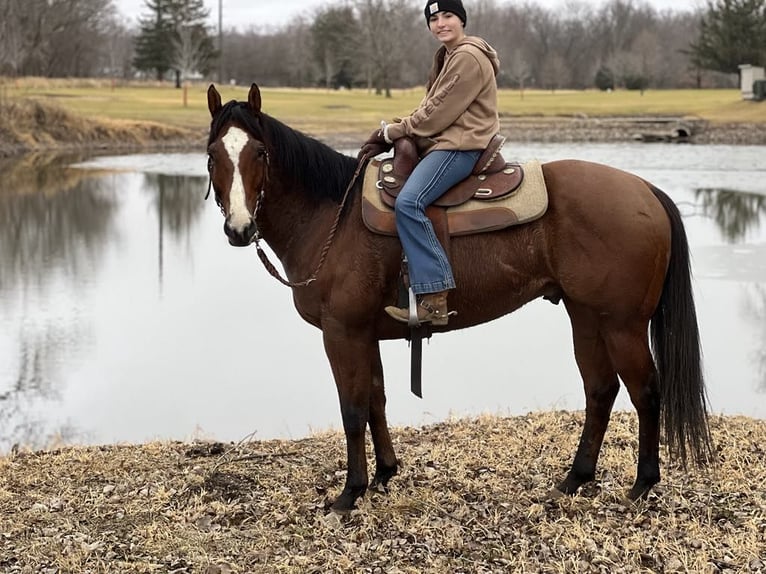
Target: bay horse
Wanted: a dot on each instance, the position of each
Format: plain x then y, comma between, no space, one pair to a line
611,246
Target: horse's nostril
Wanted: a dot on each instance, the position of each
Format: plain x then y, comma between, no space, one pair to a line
237,237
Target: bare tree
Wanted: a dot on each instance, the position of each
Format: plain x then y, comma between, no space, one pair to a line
386,26
190,51
11,37
519,71
554,72
55,37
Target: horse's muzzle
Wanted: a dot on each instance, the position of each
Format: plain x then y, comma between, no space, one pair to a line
240,238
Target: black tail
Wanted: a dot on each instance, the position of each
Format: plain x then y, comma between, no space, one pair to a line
676,345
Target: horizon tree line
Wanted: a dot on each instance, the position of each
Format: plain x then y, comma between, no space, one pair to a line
619,44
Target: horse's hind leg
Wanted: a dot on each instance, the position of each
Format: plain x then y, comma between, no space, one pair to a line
629,350
601,387
385,458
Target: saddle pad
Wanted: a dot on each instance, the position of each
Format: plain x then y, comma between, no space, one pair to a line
527,203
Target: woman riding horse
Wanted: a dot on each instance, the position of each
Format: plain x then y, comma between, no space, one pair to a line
611,247
452,125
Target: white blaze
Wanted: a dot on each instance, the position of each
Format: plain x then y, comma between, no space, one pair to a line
239,216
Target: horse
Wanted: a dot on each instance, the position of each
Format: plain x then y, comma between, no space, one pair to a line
611,246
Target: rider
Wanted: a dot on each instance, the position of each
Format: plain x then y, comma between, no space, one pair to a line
453,124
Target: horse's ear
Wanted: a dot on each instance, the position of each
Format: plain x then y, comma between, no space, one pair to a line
254,99
213,100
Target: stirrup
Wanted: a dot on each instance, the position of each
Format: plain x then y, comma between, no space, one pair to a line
412,319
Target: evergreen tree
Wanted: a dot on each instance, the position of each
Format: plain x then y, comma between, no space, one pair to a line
604,79
732,32
174,36
154,44
335,34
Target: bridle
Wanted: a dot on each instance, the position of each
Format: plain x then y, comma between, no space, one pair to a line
264,155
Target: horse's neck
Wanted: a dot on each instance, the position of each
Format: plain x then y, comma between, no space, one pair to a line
296,228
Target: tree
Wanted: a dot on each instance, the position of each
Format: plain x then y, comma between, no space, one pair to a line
553,72
193,46
334,33
604,79
55,37
386,28
731,32
173,36
519,71
154,44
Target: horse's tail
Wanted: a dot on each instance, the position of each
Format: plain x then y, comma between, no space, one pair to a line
676,345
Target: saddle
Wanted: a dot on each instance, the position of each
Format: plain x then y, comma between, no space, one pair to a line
491,178
496,195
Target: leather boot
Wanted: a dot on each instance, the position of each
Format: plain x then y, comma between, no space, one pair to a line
432,308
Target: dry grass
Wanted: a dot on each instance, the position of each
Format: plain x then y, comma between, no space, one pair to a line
39,114
471,497
29,124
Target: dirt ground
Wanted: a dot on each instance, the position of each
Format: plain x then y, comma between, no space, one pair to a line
471,497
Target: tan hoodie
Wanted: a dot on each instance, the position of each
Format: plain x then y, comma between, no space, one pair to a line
459,112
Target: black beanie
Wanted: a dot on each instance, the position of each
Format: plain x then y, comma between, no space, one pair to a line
454,6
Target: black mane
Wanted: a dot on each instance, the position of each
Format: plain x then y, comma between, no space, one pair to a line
312,165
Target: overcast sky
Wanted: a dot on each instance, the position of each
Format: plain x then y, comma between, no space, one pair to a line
244,14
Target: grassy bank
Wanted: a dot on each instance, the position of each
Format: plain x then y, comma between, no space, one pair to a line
351,115
471,497
29,124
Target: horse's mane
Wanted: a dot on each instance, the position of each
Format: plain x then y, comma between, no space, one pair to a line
312,165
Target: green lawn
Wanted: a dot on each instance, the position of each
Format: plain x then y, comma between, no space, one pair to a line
316,110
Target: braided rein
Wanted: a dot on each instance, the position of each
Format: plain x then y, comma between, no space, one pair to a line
325,248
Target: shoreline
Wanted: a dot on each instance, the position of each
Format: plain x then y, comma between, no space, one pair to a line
601,129
515,129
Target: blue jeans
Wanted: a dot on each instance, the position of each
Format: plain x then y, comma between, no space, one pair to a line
429,268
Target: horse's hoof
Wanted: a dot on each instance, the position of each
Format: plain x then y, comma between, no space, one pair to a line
637,494
641,489
381,478
344,504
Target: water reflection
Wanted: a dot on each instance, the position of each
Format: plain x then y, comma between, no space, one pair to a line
52,219
90,353
738,215
754,307
54,224
735,212
177,209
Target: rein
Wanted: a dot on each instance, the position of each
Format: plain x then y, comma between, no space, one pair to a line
325,248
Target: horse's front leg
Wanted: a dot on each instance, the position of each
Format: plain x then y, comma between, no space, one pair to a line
352,356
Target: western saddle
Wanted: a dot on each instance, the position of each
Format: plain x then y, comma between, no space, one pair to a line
491,178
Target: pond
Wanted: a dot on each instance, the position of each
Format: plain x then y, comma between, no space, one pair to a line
121,305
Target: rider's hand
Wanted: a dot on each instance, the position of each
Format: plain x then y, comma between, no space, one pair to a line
375,144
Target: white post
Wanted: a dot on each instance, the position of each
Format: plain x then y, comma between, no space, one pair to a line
749,74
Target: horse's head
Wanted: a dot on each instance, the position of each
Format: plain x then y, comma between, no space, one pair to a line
237,162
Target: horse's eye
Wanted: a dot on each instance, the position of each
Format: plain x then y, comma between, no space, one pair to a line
210,163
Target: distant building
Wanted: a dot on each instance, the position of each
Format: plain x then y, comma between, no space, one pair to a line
749,74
